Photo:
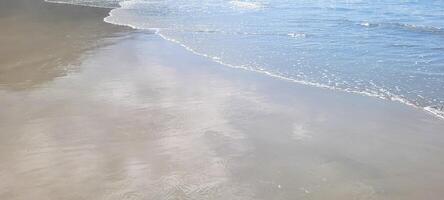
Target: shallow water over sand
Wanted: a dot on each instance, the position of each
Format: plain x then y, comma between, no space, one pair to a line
145,119
387,49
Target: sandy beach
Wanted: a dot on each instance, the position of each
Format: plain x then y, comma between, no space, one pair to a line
90,110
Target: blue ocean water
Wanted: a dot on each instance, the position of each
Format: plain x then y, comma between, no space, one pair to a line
391,49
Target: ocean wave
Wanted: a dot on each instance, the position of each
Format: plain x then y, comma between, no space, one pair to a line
211,31
405,27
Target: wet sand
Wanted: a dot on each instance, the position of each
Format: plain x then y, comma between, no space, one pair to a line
129,115
39,41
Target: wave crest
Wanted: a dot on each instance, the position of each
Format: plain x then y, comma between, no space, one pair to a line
406,27
247,5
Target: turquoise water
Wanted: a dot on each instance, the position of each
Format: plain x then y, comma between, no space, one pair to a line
391,49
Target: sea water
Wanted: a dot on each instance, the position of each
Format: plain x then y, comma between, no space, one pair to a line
390,49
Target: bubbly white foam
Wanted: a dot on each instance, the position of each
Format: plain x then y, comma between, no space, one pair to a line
297,35
366,24
247,5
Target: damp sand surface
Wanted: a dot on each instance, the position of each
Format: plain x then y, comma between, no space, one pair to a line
124,114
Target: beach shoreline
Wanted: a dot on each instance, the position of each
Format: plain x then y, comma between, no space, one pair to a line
435,110
117,17
123,114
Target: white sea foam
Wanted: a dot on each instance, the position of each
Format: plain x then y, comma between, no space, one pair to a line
296,35
403,26
247,5
435,111
366,24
